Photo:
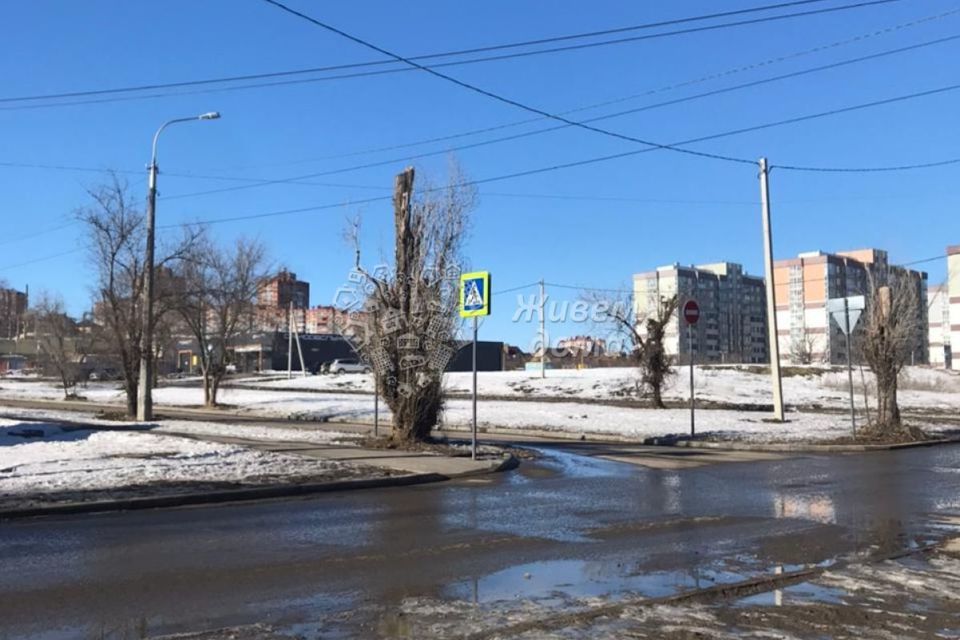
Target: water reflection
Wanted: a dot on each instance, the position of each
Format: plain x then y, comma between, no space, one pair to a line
818,508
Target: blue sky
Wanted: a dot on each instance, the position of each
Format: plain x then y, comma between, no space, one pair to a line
592,225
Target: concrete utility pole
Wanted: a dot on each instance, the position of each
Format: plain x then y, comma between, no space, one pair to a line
290,341
543,331
773,338
145,382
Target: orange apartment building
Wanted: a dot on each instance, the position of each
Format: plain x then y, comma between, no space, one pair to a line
805,283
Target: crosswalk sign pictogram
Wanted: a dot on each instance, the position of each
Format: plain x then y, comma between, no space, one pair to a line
475,294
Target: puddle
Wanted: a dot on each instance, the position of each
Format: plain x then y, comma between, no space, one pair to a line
803,593
558,580
571,465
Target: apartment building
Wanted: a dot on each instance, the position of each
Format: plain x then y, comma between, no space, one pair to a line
943,305
953,291
13,308
938,314
805,283
732,325
275,297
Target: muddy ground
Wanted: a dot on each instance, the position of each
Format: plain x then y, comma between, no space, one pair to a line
914,596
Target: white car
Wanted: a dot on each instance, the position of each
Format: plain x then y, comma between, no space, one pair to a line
347,365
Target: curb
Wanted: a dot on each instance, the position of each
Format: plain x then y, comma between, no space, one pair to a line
219,497
797,447
508,463
668,441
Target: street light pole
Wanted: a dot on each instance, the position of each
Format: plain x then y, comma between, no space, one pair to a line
145,381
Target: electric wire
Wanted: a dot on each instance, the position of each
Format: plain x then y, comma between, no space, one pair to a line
299,179
495,96
208,81
670,87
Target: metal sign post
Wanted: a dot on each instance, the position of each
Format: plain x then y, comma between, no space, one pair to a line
474,302
473,446
691,313
846,335
376,405
846,312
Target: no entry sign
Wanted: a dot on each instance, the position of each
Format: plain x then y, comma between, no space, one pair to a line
691,311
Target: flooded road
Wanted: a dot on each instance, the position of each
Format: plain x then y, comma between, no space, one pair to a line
563,529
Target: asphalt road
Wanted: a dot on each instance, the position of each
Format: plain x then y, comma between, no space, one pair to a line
566,523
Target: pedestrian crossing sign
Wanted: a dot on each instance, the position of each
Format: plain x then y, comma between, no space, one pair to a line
475,294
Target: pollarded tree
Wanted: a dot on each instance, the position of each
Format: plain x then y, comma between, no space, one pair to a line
409,322
215,299
891,326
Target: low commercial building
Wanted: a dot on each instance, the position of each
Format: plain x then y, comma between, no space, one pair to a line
583,345
732,324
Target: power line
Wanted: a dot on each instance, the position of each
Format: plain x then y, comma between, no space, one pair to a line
902,167
512,289
594,160
670,87
36,233
227,79
701,79
624,154
17,265
474,145
284,212
501,98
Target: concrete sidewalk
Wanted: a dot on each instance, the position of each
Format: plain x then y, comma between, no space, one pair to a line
415,462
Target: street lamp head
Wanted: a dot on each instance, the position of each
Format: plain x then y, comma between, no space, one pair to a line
210,115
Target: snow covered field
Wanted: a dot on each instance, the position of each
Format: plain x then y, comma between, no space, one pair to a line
808,387
43,462
573,401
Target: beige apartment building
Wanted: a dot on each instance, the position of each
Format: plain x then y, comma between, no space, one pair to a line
732,325
805,283
943,304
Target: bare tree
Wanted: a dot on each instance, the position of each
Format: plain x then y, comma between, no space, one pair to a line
888,339
802,348
216,301
62,346
116,238
410,323
643,336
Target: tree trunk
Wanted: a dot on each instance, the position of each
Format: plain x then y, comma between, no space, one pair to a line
131,389
415,416
657,395
65,382
214,388
888,411
207,389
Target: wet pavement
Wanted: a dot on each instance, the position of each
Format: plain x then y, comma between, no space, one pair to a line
563,532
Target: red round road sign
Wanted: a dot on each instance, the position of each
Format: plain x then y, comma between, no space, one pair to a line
691,311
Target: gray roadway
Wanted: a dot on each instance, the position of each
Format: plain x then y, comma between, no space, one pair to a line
568,522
